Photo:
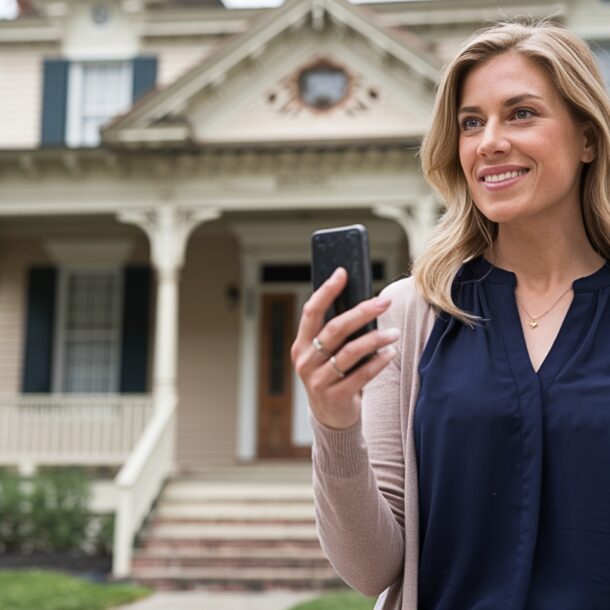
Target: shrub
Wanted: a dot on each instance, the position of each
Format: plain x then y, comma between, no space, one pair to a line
13,507
59,510
49,513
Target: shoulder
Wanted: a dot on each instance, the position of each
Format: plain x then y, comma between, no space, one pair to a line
404,293
407,303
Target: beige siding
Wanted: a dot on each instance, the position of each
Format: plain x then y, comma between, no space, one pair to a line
21,98
175,59
208,356
15,259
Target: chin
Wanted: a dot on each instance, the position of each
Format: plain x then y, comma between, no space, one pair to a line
505,212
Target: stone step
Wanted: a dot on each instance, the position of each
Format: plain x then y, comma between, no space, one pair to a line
223,511
242,531
216,491
232,552
245,528
273,473
277,545
245,578
235,561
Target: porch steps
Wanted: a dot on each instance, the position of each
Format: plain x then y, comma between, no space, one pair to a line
249,527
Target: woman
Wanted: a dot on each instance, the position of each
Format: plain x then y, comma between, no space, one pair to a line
473,472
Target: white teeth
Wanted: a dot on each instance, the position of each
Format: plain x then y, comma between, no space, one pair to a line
504,176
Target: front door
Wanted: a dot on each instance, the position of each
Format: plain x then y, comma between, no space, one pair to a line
276,378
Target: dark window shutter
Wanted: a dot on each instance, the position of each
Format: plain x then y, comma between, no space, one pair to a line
136,316
40,326
54,102
144,75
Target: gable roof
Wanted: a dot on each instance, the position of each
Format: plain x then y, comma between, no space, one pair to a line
163,108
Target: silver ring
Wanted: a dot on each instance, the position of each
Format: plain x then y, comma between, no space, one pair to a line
320,346
333,362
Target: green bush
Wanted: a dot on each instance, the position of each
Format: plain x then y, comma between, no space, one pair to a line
13,509
59,510
50,513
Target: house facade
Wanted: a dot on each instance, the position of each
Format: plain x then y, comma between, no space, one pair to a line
163,164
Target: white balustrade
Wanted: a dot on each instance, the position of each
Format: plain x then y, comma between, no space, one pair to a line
56,429
140,481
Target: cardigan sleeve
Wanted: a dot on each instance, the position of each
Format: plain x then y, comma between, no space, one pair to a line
359,475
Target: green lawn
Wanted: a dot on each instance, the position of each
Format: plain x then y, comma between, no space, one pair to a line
37,590
338,601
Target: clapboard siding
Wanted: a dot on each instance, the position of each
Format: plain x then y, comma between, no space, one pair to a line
21,98
16,257
175,59
208,356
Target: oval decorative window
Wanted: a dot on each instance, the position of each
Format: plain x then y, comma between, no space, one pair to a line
323,86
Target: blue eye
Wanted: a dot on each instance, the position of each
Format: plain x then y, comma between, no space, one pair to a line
470,123
523,113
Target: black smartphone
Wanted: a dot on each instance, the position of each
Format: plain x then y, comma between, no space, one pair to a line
346,247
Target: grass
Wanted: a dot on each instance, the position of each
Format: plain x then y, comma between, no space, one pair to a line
38,590
348,600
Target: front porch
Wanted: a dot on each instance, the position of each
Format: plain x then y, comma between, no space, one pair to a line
219,265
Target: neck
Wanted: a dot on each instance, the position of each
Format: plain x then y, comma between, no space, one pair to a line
545,256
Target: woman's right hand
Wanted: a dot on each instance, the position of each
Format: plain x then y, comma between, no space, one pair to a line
334,399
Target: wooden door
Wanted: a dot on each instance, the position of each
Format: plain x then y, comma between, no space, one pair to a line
275,375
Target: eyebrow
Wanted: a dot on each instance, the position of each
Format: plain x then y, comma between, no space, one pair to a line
511,101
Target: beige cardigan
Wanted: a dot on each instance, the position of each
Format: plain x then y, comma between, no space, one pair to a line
365,477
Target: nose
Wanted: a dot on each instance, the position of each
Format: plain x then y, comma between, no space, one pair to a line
493,140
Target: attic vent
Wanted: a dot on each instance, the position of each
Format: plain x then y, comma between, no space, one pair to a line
323,86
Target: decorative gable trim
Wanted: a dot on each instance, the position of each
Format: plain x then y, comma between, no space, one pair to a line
154,119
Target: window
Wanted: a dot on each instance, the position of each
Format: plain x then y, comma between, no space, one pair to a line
323,86
97,92
89,331
79,97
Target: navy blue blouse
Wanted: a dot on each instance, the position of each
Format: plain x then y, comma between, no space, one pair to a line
514,465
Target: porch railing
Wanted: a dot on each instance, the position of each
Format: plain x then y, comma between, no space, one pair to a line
56,429
140,480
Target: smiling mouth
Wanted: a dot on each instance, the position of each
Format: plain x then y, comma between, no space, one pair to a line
495,178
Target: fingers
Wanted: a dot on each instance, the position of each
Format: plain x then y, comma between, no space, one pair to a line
351,353
352,384
340,328
318,303
337,404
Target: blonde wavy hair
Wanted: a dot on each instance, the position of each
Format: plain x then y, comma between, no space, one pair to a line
463,232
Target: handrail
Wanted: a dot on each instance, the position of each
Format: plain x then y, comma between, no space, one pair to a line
139,483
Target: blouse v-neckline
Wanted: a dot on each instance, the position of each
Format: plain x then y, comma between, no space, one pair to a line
571,330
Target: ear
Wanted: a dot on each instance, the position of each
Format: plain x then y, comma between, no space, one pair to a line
589,151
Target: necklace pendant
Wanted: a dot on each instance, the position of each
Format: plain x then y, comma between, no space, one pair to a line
533,323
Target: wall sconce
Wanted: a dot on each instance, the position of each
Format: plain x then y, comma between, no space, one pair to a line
232,296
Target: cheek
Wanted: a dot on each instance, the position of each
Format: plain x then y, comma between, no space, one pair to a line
465,160
466,165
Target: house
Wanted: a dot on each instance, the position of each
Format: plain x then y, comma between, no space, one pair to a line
163,164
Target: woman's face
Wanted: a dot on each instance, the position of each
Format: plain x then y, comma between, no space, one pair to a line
519,146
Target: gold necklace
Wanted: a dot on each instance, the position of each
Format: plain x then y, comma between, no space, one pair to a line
533,323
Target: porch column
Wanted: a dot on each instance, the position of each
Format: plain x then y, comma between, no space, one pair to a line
168,229
417,222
